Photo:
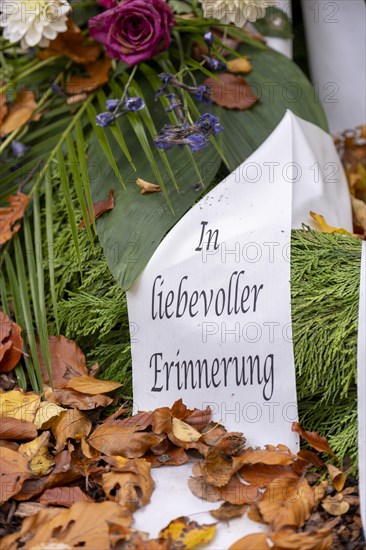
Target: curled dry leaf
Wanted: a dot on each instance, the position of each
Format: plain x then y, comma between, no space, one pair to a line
129,483
11,342
232,92
98,75
114,440
70,425
259,541
199,419
14,471
218,468
324,227
100,207
335,506
72,44
187,533
287,503
184,432
147,187
19,112
228,511
91,385
231,443
239,65
63,496
12,428
314,439
337,476
67,361
77,400
312,540
10,216
85,524
20,405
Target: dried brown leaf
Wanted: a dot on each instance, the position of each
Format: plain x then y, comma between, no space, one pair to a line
336,505
114,440
203,490
85,524
147,187
287,503
314,439
101,207
14,471
263,474
232,92
258,541
10,217
270,455
70,425
98,72
129,483
312,540
67,361
77,400
12,428
228,511
337,476
91,385
36,452
239,493
19,112
72,44
63,496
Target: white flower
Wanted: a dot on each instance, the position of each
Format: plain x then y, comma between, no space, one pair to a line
238,12
34,22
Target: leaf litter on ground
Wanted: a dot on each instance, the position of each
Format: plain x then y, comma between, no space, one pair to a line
74,476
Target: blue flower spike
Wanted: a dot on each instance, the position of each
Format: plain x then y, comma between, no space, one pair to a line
112,104
134,104
209,39
104,119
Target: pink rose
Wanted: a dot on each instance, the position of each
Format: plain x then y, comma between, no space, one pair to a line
134,30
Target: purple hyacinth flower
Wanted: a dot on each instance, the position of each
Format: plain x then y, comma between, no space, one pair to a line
112,104
209,39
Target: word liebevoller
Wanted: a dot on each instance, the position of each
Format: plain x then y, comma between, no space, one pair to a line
233,298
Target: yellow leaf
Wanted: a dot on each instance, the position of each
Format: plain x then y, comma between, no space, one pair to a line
46,412
325,228
184,431
239,65
188,533
36,452
91,385
20,405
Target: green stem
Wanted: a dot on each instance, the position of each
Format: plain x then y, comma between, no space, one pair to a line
57,147
34,68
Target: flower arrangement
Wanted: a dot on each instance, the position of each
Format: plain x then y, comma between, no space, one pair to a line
129,111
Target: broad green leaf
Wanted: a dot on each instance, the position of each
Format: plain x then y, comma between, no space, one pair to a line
134,228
